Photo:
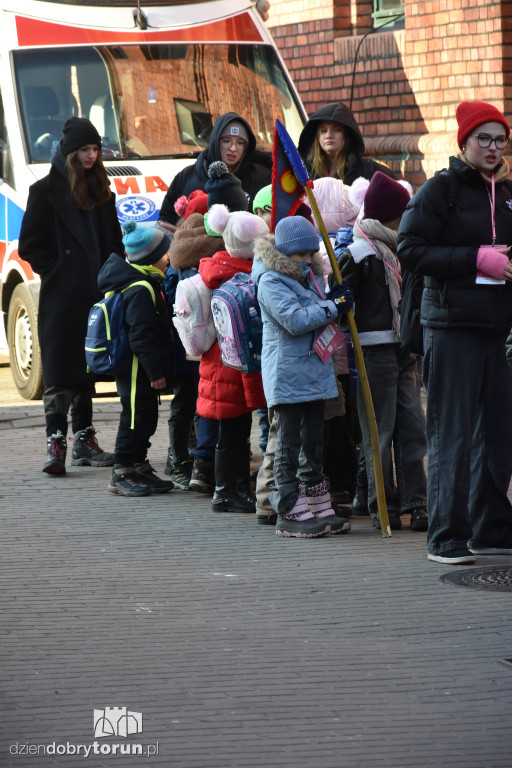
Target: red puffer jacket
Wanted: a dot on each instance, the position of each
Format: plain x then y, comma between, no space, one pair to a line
225,392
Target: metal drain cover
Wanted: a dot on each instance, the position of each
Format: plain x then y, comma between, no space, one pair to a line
497,578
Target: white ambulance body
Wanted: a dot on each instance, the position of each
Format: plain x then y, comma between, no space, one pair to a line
153,79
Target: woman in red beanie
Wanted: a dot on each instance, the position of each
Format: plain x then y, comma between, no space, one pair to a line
457,231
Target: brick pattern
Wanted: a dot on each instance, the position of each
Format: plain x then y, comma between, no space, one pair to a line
405,85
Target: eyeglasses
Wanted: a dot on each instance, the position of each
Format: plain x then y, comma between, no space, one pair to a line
485,141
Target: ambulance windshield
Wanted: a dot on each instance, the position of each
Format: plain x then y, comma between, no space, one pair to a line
151,101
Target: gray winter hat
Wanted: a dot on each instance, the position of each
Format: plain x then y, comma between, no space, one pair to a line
295,234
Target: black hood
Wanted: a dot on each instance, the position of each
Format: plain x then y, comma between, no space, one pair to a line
212,151
117,273
336,112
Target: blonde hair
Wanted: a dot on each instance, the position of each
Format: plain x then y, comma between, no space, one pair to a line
318,160
91,189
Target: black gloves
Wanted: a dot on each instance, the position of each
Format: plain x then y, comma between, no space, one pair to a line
341,295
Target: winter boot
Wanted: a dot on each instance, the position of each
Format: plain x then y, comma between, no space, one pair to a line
202,479
126,482
319,504
180,474
226,497
299,522
86,451
55,463
146,476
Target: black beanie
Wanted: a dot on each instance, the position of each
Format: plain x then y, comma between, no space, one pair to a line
78,132
222,187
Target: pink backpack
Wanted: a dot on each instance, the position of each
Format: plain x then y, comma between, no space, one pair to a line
193,317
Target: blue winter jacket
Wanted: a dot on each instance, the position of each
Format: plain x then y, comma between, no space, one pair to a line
293,313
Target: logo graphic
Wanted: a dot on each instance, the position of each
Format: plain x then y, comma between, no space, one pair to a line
116,721
509,203
135,208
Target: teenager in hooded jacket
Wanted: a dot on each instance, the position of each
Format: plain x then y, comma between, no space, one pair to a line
69,229
331,144
233,142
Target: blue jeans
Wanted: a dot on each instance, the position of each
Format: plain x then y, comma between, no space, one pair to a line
396,393
469,438
207,434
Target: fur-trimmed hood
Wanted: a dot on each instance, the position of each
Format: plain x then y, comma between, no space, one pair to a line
267,257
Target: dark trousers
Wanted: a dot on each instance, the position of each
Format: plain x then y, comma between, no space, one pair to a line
57,402
181,416
132,444
299,426
469,438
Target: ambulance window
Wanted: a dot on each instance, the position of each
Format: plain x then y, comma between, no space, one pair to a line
5,153
151,101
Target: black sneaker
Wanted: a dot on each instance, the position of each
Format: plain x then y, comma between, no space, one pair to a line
126,482
146,475
201,479
55,463
266,519
457,556
180,474
302,529
394,520
86,451
419,519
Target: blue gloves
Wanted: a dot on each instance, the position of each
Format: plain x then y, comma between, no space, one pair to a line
341,295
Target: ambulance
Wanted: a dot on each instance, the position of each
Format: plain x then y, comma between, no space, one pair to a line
153,77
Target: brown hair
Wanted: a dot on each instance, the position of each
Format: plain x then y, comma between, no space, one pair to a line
320,167
88,190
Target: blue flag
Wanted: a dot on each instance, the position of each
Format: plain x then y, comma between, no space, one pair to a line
289,176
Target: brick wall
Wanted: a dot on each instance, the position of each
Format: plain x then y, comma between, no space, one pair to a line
405,85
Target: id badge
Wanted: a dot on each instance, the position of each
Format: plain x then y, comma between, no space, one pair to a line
327,341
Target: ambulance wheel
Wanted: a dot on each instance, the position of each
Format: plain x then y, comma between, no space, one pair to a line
24,352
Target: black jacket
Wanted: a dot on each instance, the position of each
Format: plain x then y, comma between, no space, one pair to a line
367,279
66,247
254,172
357,165
149,325
443,226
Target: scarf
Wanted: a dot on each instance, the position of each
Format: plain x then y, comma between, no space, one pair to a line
383,247
501,171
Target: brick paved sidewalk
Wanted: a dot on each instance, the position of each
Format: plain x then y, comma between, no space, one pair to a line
239,648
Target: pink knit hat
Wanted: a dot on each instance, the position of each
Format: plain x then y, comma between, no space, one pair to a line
471,114
333,201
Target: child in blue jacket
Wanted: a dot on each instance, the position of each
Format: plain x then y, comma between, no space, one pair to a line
287,271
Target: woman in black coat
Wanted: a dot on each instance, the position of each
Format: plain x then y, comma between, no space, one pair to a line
251,166
69,229
331,144
457,232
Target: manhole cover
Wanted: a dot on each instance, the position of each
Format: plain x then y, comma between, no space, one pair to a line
492,579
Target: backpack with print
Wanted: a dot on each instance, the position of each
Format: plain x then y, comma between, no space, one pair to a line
107,348
237,318
192,316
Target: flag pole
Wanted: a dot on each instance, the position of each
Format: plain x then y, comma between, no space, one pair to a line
305,181
363,377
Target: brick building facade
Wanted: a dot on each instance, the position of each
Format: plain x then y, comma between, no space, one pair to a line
404,84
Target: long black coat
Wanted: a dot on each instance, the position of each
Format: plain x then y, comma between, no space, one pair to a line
53,239
254,172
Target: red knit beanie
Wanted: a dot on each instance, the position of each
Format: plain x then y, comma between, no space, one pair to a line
471,114
385,199
197,202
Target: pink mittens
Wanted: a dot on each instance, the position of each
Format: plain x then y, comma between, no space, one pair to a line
491,262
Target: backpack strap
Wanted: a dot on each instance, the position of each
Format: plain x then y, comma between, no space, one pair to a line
452,192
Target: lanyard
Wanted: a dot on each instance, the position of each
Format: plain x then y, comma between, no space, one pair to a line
492,201
316,284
